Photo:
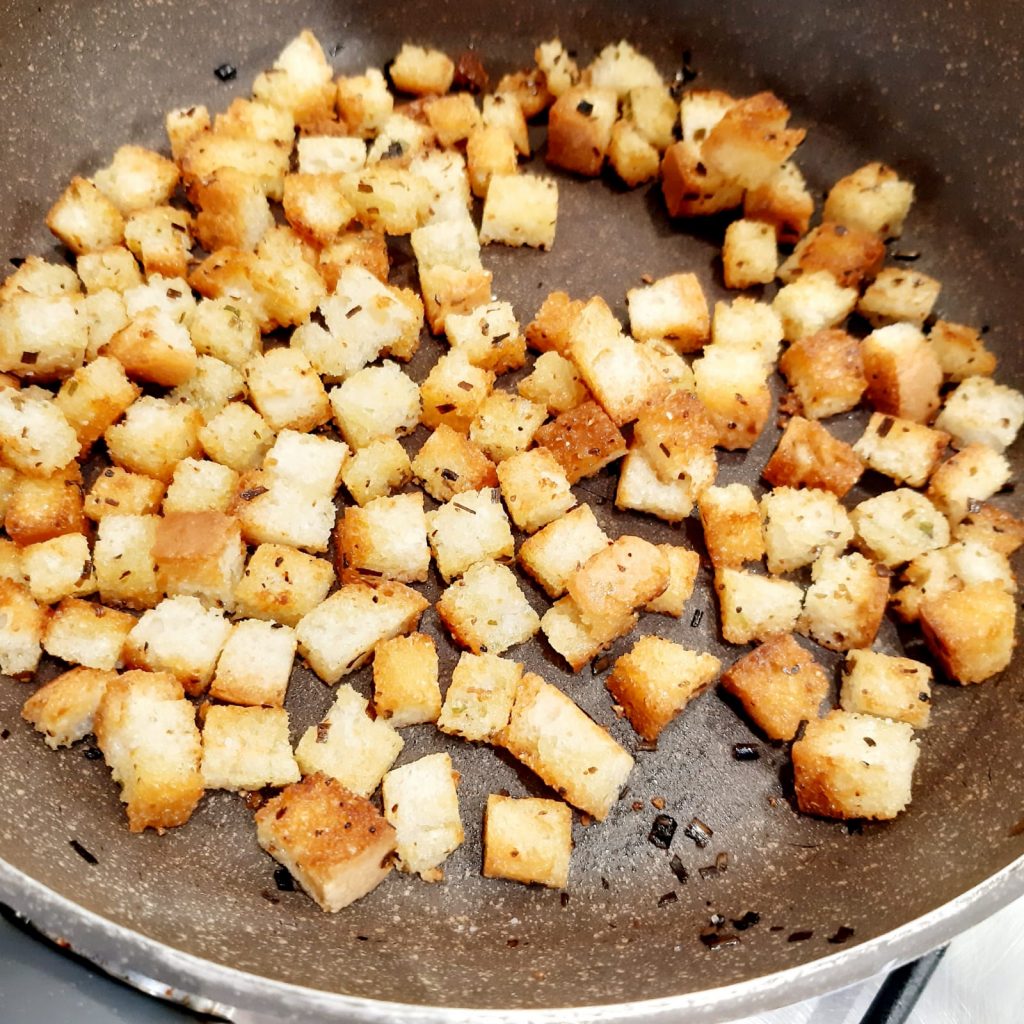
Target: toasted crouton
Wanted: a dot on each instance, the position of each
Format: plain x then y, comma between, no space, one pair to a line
299,81
583,440
845,602
22,622
960,351
580,129
247,749
422,71
123,558
453,118
211,388
286,390
334,843
656,680
732,525
899,525
338,635
39,508
84,219
225,331
454,390
991,526
576,757
505,424
807,455
110,269
631,156
488,336
154,436
520,209
38,277
577,642
87,633
282,584
886,686
491,151
755,607
693,188
872,198
137,179
357,247
799,525
980,411
44,336
749,254
63,709
161,239
315,207
154,347
969,477
535,488
554,382
779,685
35,435
376,470
850,255
971,631
554,553
902,372
349,745
682,575
58,568
391,200
560,70
255,664
673,309
405,690
421,804
700,110
377,401
385,538
731,386
826,373
550,330
479,699
813,302
449,463
199,554
199,485
237,437
641,488
749,326
364,102
94,397
469,528
902,449
899,296
854,766
527,840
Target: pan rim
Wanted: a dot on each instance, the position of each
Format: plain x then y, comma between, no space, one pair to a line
121,950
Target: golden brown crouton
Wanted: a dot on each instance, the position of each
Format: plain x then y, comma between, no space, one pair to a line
886,686
505,423
527,840
631,156
160,237
551,329
43,507
123,558
799,525
84,219
902,372
87,633
22,622
479,699
233,210
94,397
405,690
783,201
994,527
731,385
583,440
807,455
574,639
749,254
753,607
282,584
845,603
683,565
154,436
137,179
469,528
386,538
826,373
693,188
535,488
247,748
454,390
674,309
907,452
520,209
63,709
491,151
154,347
554,553
960,351
814,302
872,198
732,525
422,72
299,81
580,129
254,667
899,296
671,429
449,463
113,268
199,553
981,411
554,382
850,255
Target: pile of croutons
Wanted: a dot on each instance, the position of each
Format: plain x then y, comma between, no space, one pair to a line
179,412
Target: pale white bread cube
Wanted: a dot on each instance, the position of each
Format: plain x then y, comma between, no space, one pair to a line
299,82
488,336
672,309
421,804
349,745
104,315
812,303
555,552
281,584
376,470
980,411
469,528
640,488
237,437
898,295
386,538
611,364
161,239
502,109
731,384
906,451
399,139
147,732
376,402
87,633
825,372
453,391
405,689
569,635
183,124
94,397
899,525
887,687
389,199
655,681
338,635
561,72
750,255
254,119
84,219
113,269
505,424
839,774
282,512
308,462
652,111
700,110
199,554
620,67
58,568
749,325
520,209
971,476
22,622
63,709
779,685
170,295
330,154
199,485
335,844
577,758
872,198
731,522
672,367
286,390
845,602
255,664
247,748
224,330
212,386
123,559
527,840
486,611
422,71
452,243
136,179
580,129
535,488
798,525
35,435
479,698
364,102
960,351
445,173
683,565
153,436
38,277
449,463
902,372
755,607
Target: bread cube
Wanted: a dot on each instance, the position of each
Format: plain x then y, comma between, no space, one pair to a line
568,750
845,602
421,804
554,382
899,525
113,268
560,70
448,464
504,110
527,840
286,278
969,477
299,81
338,635
147,732
422,71
960,351
22,622
199,554
137,179
334,843
84,219
200,486
550,330
631,156
807,455
405,690
799,525
286,390
898,295
555,552
58,568
731,386
255,664
446,175
850,255
673,309
520,209
330,154
576,641
453,391
683,565
364,102
247,748
779,685
640,487
349,745
94,397
154,347
237,437
825,372
170,295
377,401
35,435
535,488
357,247
385,538
124,562
448,290
35,276
283,511
40,508
160,238
453,118
732,525
376,470
230,274
872,198
282,584
233,209
656,680
700,110
887,687
505,424
479,699
488,336
813,302
63,709
388,199
854,766
580,129
993,527
469,528
154,436
582,440
43,336
749,254
210,389
226,331
980,411
907,452
86,633
486,611
693,188
315,207
621,68
902,372
755,607
746,325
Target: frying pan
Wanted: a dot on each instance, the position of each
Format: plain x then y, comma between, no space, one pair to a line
935,92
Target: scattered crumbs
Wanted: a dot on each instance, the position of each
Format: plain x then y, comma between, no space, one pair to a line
662,831
638,805
668,899
93,753
647,278
748,920
225,72
699,832
800,936
715,941
82,852
605,884
776,928
512,943
363,938
600,665
563,899
746,751
1017,830
5,734
283,879
843,932
658,802
679,869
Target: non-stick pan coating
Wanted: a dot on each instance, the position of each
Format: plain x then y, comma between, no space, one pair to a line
937,93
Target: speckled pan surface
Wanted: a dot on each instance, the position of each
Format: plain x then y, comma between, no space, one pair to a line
937,92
